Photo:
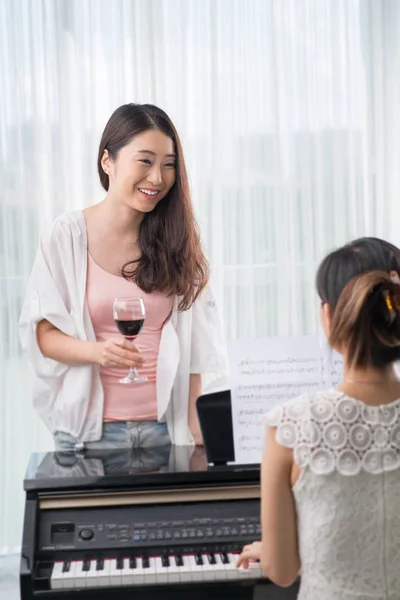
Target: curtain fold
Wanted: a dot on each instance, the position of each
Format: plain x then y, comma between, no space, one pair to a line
288,114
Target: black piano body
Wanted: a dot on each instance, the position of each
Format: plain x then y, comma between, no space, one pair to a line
149,524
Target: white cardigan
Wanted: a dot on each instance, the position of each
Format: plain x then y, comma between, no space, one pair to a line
70,398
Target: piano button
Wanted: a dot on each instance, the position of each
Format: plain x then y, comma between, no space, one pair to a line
165,561
152,536
208,568
86,565
224,558
197,571
161,571
177,535
92,575
178,560
168,535
103,573
56,579
115,573
80,574
144,537
66,566
211,558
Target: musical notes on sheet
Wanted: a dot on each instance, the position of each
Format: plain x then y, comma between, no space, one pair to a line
268,372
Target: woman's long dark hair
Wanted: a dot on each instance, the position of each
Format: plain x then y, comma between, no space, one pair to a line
358,281
172,259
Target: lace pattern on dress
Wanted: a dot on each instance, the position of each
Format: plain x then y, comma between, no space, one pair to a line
330,431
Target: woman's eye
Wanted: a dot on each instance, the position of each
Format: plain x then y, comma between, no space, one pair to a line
145,161
171,165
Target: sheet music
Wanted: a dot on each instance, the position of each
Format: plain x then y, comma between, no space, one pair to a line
268,372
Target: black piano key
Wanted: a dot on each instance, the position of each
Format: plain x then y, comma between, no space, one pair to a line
66,566
225,558
165,561
211,559
86,565
100,564
145,562
179,561
199,559
132,562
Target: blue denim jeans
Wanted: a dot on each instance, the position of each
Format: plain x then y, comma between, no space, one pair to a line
120,434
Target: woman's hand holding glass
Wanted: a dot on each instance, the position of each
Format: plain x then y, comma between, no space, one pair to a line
118,352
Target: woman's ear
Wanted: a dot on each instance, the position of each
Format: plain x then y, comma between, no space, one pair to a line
105,162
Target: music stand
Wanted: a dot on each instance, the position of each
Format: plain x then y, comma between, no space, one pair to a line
215,418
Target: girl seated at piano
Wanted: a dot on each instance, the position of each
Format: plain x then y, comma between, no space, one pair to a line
331,465
140,242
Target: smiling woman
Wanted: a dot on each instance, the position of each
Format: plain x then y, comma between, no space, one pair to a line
141,241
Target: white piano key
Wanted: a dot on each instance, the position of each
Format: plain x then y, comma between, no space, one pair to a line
174,570
161,571
150,572
230,568
241,572
219,567
127,575
103,576
80,575
92,579
56,579
185,573
139,573
115,573
196,570
69,576
255,570
208,569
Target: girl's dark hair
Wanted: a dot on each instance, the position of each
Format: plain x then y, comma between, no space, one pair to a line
357,283
172,258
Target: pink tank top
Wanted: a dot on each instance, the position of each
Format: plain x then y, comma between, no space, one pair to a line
137,401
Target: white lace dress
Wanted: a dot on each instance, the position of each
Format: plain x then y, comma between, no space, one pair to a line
347,496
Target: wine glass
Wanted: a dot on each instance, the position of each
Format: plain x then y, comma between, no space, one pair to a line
129,315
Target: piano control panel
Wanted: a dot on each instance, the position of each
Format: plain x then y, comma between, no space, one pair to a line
144,527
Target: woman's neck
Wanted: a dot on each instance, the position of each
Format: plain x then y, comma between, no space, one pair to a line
122,220
370,376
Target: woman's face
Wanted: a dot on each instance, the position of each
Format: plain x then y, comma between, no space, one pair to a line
144,170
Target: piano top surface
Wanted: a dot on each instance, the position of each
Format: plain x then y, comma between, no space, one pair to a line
143,468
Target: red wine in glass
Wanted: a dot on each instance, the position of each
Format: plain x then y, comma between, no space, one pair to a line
129,316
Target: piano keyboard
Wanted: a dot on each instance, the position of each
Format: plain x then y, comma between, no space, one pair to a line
150,570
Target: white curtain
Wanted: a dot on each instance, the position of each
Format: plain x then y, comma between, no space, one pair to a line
289,116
